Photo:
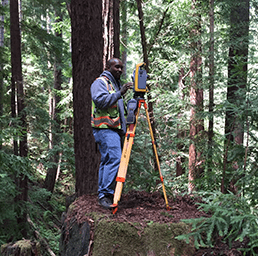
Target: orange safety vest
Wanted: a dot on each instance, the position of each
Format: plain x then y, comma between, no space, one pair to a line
108,117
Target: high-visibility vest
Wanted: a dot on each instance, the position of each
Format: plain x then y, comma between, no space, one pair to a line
108,117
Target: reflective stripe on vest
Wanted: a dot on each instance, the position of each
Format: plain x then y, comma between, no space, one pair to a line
106,118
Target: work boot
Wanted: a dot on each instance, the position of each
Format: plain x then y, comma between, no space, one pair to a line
110,197
105,202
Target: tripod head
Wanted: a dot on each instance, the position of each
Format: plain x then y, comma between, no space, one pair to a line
139,80
139,87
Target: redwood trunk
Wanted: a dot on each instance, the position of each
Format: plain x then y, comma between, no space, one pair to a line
124,36
196,100
17,84
236,91
50,180
87,56
211,88
180,130
111,25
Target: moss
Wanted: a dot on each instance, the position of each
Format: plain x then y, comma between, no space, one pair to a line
123,239
164,237
96,216
71,208
25,246
113,238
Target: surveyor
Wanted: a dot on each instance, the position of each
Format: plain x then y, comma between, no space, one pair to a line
109,126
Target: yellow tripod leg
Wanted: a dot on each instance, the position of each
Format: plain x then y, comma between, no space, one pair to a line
121,175
156,155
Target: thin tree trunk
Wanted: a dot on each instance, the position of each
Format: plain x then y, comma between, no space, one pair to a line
143,37
17,82
236,91
14,104
110,16
196,100
50,180
159,29
124,36
211,88
116,25
3,2
146,60
105,16
180,130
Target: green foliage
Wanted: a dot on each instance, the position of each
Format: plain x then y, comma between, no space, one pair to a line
46,215
11,167
40,49
232,218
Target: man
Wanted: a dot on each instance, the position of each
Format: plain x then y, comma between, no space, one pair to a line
109,125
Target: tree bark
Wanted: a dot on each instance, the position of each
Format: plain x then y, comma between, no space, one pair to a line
180,130
3,3
17,83
211,88
143,37
124,36
87,57
236,91
55,132
111,25
196,100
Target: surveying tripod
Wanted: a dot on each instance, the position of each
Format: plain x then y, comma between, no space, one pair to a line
134,106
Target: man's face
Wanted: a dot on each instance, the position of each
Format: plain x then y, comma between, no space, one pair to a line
116,68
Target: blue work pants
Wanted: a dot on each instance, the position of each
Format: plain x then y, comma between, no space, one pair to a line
109,142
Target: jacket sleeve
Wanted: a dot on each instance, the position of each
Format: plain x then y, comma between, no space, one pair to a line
100,95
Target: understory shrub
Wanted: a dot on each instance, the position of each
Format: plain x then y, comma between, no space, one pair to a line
232,219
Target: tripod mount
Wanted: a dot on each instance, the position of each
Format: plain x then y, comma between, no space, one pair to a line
133,109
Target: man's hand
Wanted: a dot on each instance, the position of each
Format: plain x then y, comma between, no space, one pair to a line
125,87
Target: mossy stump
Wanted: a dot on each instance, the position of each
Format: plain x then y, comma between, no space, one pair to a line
21,248
108,237
123,239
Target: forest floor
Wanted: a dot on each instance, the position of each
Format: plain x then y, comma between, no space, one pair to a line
142,207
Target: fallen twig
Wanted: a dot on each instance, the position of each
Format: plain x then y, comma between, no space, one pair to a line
39,236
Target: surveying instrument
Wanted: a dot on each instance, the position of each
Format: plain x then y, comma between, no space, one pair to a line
133,109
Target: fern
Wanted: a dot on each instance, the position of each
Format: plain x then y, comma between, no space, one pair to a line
231,220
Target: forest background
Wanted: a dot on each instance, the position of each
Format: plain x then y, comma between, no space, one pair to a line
201,58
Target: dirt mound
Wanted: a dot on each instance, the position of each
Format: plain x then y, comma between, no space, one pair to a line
141,207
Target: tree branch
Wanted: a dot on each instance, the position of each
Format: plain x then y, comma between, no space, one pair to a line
39,236
159,29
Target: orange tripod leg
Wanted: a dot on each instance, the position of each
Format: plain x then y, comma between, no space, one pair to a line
156,154
126,156
121,175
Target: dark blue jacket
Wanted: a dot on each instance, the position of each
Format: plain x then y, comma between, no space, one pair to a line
103,99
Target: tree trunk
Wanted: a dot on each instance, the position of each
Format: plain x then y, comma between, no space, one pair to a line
110,12
3,2
211,88
196,100
146,60
180,130
50,180
236,91
124,36
14,109
17,83
116,24
143,37
87,57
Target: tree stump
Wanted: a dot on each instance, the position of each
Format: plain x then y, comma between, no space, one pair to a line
21,248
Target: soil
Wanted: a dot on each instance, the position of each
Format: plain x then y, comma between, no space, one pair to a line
143,208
